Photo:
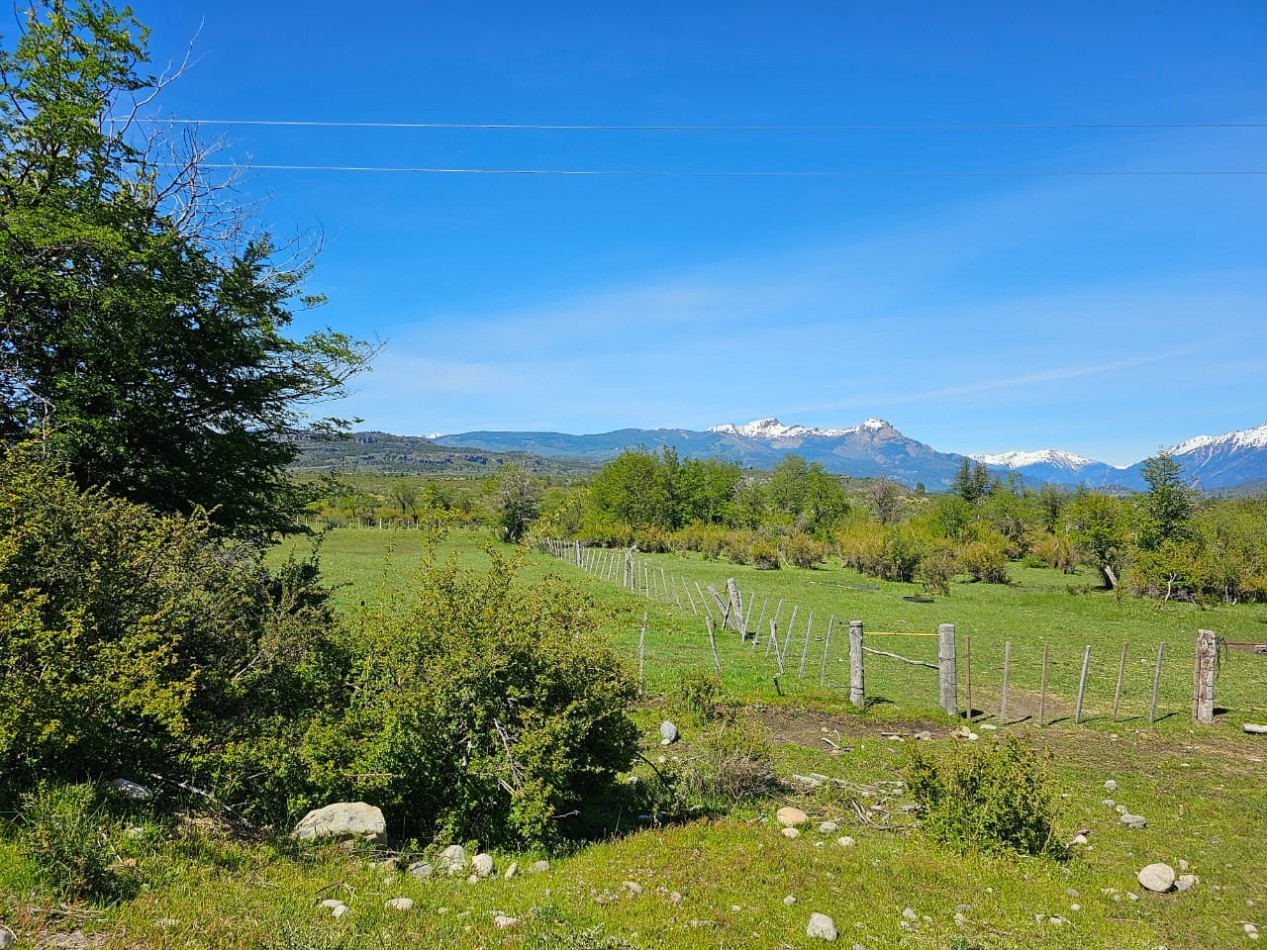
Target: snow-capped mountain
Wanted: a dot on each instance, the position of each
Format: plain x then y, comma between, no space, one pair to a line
875,447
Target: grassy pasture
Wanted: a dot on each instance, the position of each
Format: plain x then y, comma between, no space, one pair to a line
720,881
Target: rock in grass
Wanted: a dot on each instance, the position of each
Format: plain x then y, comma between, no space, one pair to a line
1157,878
339,911
503,922
400,903
342,821
421,869
1134,821
1110,786
330,903
1255,729
822,927
482,865
512,871
7,938
452,860
790,817
791,833
1185,882
828,828
668,732
130,790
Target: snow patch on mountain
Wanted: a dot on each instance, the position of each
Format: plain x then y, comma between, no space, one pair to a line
1041,457
771,429
1255,438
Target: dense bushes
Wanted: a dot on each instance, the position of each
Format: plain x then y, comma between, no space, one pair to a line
134,642
986,797
484,709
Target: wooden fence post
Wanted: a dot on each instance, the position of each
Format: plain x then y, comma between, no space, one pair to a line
628,581
857,679
967,663
809,631
577,549
712,641
1007,666
947,672
736,605
1152,708
1042,689
1203,683
1082,684
1121,675
774,638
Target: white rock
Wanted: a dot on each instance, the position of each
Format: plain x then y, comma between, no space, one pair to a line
791,833
483,866
909,913
668,732
343,820
1110,786
400,903
503,922
1077,840
131,790
633,887
1185,882
846,842
1109,803
512,871
1134,821
330,903
421,869
828,828
452,860
789,900
1158,878
339,911
790,817
7,938
1255,729
822,927
539,866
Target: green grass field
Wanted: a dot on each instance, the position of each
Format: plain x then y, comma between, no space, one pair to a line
721,880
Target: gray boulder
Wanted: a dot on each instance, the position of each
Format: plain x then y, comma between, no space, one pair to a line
1158,878
452,860
342,821
822,927
668,732
125,788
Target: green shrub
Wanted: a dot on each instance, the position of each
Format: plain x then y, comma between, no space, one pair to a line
486,709
694,695
936,570
986,797
800,550
985,559
66,836
731,764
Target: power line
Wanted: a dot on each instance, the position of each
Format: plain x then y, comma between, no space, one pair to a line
579,127
665,173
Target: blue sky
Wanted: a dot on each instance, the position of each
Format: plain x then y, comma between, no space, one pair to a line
1106,315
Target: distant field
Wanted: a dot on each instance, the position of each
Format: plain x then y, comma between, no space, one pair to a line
1040,607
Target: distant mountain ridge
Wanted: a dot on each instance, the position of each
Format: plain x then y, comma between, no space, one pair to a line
875,447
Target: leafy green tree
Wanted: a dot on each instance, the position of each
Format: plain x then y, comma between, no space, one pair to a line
1100,525
886,499
785,491
517,499
1167,504
636,488
825,501
143,320
972,481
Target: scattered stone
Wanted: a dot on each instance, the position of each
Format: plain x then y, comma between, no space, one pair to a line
790,817
131,790
539,866
1185,882
846,842
822,927
633,887
1251,931
1158,878
343,821
1109,803
828,828
1110,786
789,900
1131,895
1056,921
1255,729
909,914
1134,821
400,903
791,833
331,903
502,922
1077,840
339,911
988,727
452,860
676,897
668,733
7,938
1120,809
421,869
1075,907
482,866
512,871
923,735
1183,865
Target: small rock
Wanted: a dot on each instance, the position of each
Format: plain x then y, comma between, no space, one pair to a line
1185,882
539,866
1056,921
789,900
633,887
1134,821
1120,809
400,903
421,869
1109,803
512,871
1110,786
164,922
791,833
1158,878
909,914
1077,840
846,842
330,903
828,828
339,911
502,922
790,817
452,860
7,939
822,927
1075,907
1255,729
482,866
131,790
668,732
1183,865
988,727
923,735
676,897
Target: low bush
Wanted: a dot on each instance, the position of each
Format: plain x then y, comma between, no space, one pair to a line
986,797
694,695
65,834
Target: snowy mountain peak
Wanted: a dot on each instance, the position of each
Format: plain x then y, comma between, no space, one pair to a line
771,429
1041,457
1255,438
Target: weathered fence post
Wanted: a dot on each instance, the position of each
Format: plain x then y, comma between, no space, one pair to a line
1007,666
774,638
1152,708
580,558
694,611
857,679
628,581
1121,675
822,673
947,671
1203,684
967,663
712,641
736,605
1082,684
809,631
